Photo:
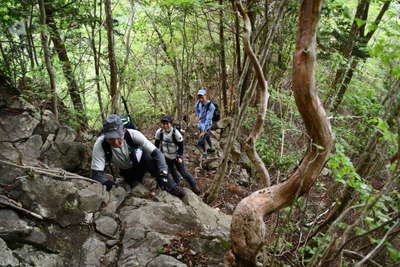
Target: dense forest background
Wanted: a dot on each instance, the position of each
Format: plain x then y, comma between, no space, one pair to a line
79,57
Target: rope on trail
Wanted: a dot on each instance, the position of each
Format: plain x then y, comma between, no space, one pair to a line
55,172
5,201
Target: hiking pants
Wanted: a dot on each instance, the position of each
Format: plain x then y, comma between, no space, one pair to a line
176,167
135,174
202,141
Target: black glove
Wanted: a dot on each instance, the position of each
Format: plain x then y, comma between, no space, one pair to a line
109,184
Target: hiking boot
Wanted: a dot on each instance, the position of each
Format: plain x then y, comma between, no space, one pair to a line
178,192
196,189
204,156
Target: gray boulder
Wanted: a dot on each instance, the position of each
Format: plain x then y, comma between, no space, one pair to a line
12,228
65,134
106,225
14,127
166,261
30,256
30,149
7,258
70,156
93,250
53,199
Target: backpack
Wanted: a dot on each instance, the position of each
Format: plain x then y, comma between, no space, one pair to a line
127,122
216,114
173,137
107,148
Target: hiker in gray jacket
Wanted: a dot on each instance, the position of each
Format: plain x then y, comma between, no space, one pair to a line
170,141
132,153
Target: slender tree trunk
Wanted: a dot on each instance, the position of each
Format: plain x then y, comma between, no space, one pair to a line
47,58
96,56
345,84
111,58
224,84
66,64
357,34
248,229
263,101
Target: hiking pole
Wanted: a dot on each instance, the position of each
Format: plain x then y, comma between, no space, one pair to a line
127,112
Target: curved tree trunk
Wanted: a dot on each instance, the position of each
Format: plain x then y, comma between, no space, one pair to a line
262,101
248,228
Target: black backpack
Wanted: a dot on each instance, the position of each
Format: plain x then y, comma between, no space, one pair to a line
216,114
128,124
107,148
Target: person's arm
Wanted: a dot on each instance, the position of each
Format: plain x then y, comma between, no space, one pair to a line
157,141
180,144
98,165
209,115
148,147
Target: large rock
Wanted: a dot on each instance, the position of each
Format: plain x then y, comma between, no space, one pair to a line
65,134
7,258
93,250
16,127
106,225
53,199
30,150
92,197
8,175
48,124
150,225
70,156
30,256
12,228
165,261
9,152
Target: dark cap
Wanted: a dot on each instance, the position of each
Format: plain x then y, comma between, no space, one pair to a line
166,118
113,127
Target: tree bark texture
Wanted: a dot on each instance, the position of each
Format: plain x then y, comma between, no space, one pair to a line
247,91
96,57
66,64
112,61
224,83
263,93
248,229
47,58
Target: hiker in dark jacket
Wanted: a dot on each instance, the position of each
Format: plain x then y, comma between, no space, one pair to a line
170,141
132,153
205,110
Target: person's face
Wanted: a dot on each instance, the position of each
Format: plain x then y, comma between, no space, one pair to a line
115,142
202,98
166,126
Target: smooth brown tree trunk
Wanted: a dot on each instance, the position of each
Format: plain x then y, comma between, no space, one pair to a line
248,229
112,61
